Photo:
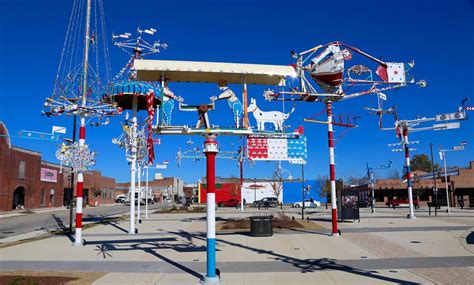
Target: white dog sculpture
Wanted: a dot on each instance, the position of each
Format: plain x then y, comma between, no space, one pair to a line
262,117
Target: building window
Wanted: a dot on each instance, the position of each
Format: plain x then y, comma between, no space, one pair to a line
21,170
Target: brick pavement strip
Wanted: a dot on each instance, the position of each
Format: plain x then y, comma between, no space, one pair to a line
458,274
294,265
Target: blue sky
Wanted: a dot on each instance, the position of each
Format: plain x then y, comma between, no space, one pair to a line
438,36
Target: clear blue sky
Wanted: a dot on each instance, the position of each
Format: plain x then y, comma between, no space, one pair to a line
438,35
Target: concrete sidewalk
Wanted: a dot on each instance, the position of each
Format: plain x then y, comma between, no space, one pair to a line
170,249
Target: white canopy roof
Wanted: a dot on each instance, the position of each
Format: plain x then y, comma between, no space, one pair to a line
211,72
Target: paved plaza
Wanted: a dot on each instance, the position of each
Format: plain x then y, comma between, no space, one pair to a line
384,247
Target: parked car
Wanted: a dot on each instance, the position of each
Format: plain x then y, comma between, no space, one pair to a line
267,202
307,204
401,203
229,203
120,198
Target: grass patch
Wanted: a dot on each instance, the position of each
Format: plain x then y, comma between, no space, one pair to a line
280,221
48,277
179,209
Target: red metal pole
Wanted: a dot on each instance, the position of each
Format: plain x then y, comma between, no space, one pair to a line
210,150
332,169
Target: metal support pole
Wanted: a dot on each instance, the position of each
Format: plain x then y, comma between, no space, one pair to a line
408,169
241,165
82,131
245,101
435,188
71,201
80,188
370,174
133,166
146,193
211,150
302,191
255,189
332,169
446,180
373,191
139,190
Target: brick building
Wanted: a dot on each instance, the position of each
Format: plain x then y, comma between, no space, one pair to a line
29,182
162,187
460,187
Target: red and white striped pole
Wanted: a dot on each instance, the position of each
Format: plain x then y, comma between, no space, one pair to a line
82,132
408,169
80,187
332,169
210,150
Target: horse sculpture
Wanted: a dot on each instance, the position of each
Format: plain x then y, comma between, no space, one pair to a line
262,117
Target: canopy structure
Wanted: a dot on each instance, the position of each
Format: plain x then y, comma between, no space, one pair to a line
123,93
212,72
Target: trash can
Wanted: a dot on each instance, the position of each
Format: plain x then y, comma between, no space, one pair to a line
261,226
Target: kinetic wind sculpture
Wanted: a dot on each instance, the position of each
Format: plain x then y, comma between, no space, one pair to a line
404,127
79,85
326,65
80,159
129,93
222,74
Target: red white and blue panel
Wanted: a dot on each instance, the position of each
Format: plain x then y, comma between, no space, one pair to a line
293,150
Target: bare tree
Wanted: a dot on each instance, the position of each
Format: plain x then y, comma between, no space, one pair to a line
323,183
353,180
393,174
277,189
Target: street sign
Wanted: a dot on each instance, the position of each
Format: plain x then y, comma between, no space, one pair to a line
446,126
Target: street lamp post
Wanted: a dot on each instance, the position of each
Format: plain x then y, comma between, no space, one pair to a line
442,153
435,188
302,191
147,191
254,190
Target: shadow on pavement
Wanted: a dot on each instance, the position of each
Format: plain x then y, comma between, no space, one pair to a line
150,246
305,265
113,224
63,227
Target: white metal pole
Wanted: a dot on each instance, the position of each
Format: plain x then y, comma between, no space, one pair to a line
373,190
446,180
139,202
133,166
147,191
242,206
408,169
